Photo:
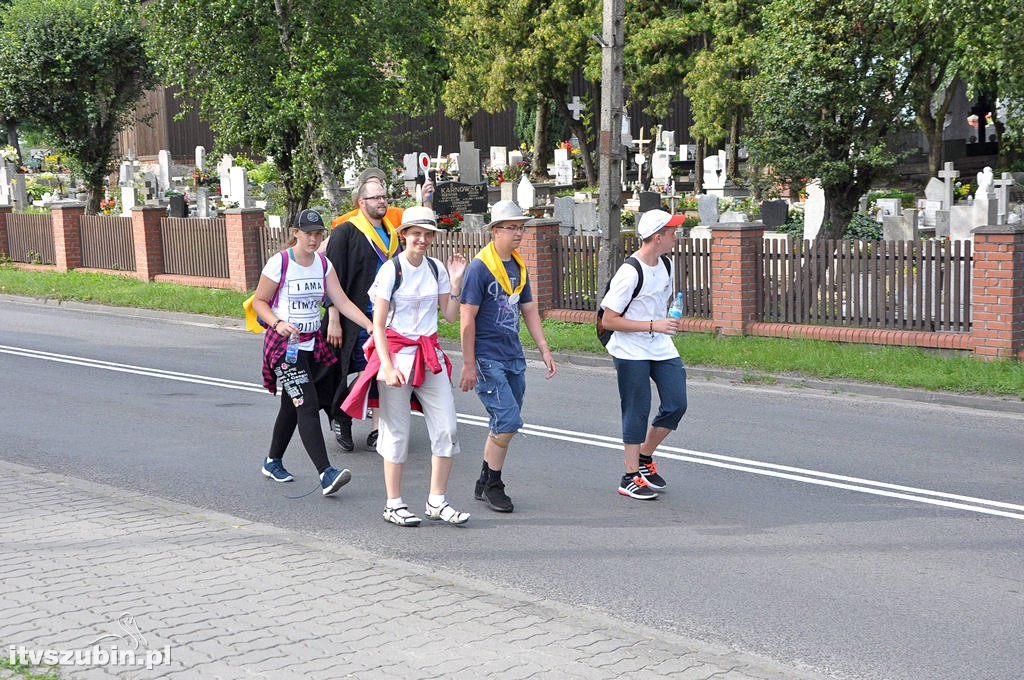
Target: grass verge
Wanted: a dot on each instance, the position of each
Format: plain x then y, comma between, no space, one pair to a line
898,366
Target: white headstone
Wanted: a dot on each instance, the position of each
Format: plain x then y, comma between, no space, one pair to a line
127,200
814,210
202,202
200,158
690,153
515,156
661,168
948,174
888,207
733,216
499,157
928,210
668,140
961,222
934,190
240,187
563,172
561,155
7,173
164,159
1002,189
224,173
410,163
715,173
902,227
985,208
525,193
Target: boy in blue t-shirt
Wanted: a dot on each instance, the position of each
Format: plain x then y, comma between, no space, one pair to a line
495,291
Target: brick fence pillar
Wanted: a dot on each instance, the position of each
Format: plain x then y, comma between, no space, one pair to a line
736,266
997,292
149,248
67,234
244,261
539,252
5,250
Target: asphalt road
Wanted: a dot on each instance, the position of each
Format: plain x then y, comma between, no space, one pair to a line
866,537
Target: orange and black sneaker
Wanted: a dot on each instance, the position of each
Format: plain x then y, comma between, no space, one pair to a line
649,471
635,486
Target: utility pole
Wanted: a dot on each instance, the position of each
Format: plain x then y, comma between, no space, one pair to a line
610,142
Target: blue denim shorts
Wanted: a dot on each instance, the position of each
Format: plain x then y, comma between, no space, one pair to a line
501,386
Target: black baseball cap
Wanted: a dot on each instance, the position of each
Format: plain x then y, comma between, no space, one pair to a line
310,220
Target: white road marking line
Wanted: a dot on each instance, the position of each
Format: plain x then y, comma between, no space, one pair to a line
857,484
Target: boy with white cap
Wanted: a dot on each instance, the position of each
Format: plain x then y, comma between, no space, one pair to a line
496,291
642,350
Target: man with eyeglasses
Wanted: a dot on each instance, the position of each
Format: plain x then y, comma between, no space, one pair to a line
495,291
360,242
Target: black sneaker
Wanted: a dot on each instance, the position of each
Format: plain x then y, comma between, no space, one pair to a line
636,487
650,474
478,490
371,440
342,430
496,498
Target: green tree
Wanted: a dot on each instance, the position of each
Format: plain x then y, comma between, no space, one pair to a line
307,82
831,95
74,68
506,52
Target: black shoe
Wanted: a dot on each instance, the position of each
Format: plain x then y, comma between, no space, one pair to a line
371,440
478,490
650,474
342,430
636,486
496,498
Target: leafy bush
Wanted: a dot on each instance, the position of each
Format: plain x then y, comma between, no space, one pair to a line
794,226
863,228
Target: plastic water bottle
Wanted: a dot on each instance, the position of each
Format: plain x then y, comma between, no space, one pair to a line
676,310
291,355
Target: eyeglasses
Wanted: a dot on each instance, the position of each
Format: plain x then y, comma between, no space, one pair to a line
382,197
519,228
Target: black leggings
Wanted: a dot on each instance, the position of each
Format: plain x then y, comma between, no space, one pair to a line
298,386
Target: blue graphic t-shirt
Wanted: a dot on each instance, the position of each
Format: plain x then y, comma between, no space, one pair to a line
497,320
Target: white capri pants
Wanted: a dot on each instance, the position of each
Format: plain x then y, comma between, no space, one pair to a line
435,396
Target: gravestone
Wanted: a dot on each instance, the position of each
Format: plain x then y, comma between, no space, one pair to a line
561,155
19,191
961,222
224,173
715,174
565,211
774,213
650,200
661,168
410,164
202,202
515,157
985,210
688,152
200,158
935,190
941,223
508,191
7,173
927,214
127,200
176,206
499,157
668,141
948,175
902,227
150,188
1002,190
469,163
240,187
563,172
452,197
473,223
164,162
888,207
126,174
585,218
707,206
734,216
526,196
814,210
985,179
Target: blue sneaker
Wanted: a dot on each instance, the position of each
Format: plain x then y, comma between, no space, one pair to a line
273,468
331,480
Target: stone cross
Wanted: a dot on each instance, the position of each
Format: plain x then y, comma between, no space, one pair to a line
438,159
576,106
948,175
640,141
1002,186
639,157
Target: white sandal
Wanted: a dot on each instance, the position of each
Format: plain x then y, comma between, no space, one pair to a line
401,516
446,513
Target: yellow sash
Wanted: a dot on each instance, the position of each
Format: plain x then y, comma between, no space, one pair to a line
489,256
363,225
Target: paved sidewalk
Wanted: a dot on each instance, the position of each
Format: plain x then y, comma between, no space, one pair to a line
224,597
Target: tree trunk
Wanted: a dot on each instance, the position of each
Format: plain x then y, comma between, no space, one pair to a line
840,205
538,172
931,125
12,138
733,159
698,165
466,129
327,175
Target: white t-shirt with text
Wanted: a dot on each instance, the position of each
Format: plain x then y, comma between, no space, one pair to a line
299,299
651,303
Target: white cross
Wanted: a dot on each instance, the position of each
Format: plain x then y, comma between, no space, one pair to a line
438,160
948,176
1003,195
576,106
640,141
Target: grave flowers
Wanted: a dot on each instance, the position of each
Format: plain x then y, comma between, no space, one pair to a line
108,205
452,222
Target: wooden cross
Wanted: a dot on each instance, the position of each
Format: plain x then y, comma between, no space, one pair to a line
640,141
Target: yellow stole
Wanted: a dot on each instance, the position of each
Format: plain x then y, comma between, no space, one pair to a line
363,225
489,256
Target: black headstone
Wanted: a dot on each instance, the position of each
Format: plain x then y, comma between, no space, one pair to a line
177,206
650,200
453,197
774,213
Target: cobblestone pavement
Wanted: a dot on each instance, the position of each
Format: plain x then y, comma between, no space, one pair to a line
196,594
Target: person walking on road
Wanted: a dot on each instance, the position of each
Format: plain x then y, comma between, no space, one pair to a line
410,368
642,350
496,291
289,293
360,242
